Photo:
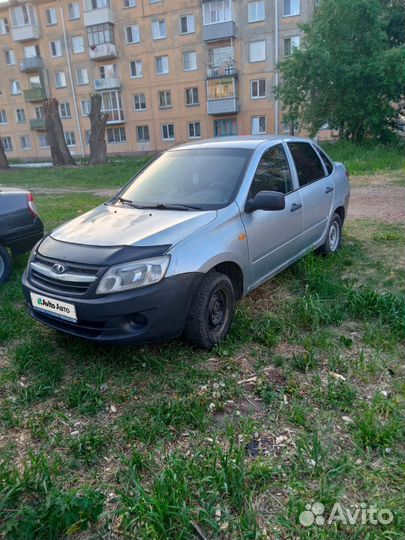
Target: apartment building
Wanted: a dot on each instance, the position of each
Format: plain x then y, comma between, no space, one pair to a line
169,71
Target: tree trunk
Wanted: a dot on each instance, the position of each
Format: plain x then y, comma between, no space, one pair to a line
59,150
98,119
3,158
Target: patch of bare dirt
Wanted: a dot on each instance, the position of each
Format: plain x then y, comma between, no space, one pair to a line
377,198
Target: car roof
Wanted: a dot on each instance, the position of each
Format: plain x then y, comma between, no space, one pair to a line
238,141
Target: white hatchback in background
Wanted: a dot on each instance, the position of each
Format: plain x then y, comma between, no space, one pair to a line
199,227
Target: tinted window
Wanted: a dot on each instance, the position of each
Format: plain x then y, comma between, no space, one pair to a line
307,163
327,162
273,173
207,177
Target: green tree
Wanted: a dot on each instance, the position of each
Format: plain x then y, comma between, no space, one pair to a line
348,72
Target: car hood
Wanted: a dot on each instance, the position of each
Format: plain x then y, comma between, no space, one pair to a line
111,226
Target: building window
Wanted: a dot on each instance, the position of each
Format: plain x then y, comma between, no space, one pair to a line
111,104
77,44
51,16
129,3
162,65
224,128
258,125
192,96
136,69
60,79
257,51
291,7
4,28
82,76
31,51
70,138
132,34
64,110
167,132
56,48
7,143
10,57
25,142
189,61
85,105
20,116
3,117
256,11
221,88
43,140
100,33
116,135
139,102
194,130
23,15
108,71
258,89
217,11
165,99
187,24
39,112
142,133
290,44
159,29
98,4
15,87
74,11
87,136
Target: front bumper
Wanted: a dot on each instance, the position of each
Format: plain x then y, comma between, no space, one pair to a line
151,313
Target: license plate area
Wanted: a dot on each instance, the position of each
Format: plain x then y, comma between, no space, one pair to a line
57,308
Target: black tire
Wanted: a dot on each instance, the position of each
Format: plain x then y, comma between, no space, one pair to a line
333,238
5,265
211,311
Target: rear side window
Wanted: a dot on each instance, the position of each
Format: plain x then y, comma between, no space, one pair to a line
272,173
327,162
308,165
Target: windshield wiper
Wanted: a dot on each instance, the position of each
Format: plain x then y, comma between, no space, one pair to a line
174,206
129,203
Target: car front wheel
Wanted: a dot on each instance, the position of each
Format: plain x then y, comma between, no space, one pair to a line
5,264
333,236
211,311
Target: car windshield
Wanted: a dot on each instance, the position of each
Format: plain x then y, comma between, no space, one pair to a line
206,178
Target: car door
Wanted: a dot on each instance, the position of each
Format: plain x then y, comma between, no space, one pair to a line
316,190
273,236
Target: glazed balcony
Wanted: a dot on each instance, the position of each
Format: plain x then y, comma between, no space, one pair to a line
218,31
103,51
109,83
34,63
38,124
35,94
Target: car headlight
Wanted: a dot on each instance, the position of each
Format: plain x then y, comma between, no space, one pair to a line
132,275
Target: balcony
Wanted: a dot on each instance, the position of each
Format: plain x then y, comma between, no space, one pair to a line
223,106
25,33
103,51
34,63
109,83
98,16
218,31
222,70
35,94
38,124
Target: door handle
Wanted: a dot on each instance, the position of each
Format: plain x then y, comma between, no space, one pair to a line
329,189
295,207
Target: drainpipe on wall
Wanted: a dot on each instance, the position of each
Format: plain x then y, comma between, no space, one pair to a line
276,42
71,81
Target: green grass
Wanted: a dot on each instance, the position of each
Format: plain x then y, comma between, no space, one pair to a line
367,158
302,403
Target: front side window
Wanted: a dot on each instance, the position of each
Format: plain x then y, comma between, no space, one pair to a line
217,11
256,11
326,161
307,163
257,51
205,177
273,173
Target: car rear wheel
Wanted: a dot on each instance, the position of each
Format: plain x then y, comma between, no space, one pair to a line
333,237
211,311
5,265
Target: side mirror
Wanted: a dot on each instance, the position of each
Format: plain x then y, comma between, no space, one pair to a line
266,200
